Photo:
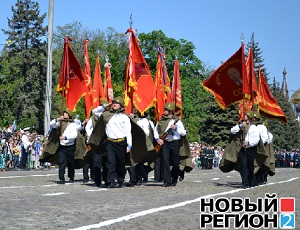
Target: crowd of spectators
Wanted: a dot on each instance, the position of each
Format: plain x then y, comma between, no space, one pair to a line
12,151
203,156
206,156
287,159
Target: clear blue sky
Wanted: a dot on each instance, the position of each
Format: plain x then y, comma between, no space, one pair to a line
213,26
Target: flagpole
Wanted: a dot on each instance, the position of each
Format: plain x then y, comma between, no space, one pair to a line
244,85
49,69
66,62
252,92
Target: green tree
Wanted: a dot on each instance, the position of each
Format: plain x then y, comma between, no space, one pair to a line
257,56
26,53
217,124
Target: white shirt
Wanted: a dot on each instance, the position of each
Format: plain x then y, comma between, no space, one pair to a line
144,124
252,136
69,134
119,126
263,132
78,124
178,132
98,111
89,128
25,141
270,138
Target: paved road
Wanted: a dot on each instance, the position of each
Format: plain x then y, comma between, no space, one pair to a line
33,200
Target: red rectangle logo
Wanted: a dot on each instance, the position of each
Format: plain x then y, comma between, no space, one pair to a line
287,204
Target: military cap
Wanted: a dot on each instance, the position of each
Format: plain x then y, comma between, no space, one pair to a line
119,100
249,113
257,115
169,106
68,112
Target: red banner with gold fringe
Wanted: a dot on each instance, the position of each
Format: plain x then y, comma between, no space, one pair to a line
176,89
268,105
226,83
71,81
88,99
139,88
98,91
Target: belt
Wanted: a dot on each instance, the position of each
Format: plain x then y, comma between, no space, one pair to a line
170,140
116,140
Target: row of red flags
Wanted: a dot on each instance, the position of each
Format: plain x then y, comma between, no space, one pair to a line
235,82
74,83
140,91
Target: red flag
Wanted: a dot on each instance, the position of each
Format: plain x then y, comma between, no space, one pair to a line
165,77
88,99
268,105
249,100
139,89
244,106
251,75
108,89
98,91
176,89
71,78
226,83
160,91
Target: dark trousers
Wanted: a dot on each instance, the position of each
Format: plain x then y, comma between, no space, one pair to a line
132,174
141,173
66,159
98,164
158,174
115,164
170,153
24,158
246,158
261,175
85,171
137,173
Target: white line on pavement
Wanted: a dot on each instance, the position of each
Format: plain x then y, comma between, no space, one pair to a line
39,175
18,187
96,190
54,194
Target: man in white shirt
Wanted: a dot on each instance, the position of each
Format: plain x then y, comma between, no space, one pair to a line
118,142
26,144
249,146
67,145
170,146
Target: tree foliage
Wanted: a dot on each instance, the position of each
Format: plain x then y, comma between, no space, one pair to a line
25,56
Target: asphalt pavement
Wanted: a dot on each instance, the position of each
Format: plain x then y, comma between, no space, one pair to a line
33,200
